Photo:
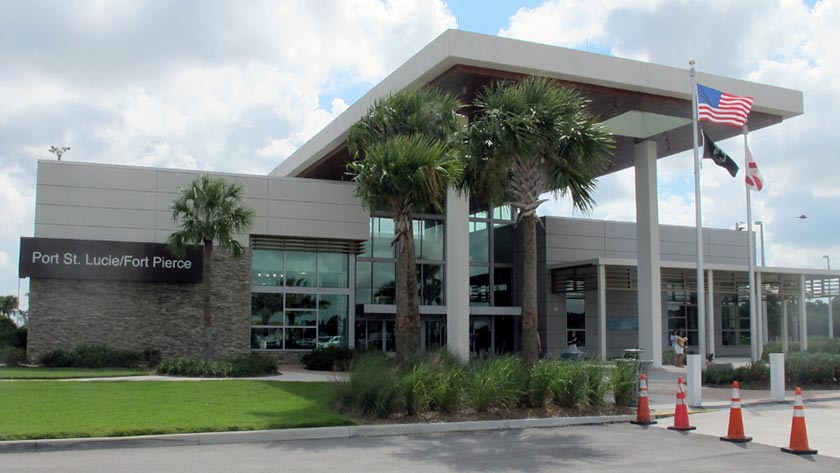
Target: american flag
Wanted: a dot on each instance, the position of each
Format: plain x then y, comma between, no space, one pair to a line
753,178
719,107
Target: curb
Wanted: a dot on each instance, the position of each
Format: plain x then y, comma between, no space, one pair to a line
314,433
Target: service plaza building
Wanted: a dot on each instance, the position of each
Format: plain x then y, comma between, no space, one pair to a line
320,268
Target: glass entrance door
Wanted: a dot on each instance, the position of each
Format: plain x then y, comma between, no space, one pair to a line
433,332
376,332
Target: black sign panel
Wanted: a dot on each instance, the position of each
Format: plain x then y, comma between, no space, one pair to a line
57,258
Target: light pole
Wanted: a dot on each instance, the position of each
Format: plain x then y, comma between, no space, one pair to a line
830,302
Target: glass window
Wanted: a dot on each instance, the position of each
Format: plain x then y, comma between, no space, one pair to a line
266,309
384,283
267,268
300,301
266,338
502,287
363,281
479,285
503,243
301,318
332,270
479,242
383,235
505,212
575,313
434,235
366,246
430,284
300,268
735,320
332,320
300,338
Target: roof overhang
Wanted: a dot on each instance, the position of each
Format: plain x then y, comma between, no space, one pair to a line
639,101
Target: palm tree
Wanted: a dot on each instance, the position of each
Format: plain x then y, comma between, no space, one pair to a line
209,210
405,160
528,138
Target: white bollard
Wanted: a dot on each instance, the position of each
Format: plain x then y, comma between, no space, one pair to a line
694,378
777,376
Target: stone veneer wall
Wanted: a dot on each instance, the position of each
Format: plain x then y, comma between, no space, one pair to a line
135,316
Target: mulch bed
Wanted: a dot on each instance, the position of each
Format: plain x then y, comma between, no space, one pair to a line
493,414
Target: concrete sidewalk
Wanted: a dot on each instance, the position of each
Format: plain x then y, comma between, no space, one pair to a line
286,373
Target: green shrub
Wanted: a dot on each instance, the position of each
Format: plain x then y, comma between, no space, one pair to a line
668,357
542,377
248,365
57,359
496,383
597,384
12,356
195,368
720,375
815,345
570,388
11,335
373,387
448,392
624,379
331,358
804,369
252,365
416,387
753,375
99,356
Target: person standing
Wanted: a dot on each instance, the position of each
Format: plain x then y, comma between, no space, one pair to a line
679,349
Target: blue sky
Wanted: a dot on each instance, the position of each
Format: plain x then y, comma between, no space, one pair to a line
238,86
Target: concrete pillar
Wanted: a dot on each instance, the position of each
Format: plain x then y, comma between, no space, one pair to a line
711,310
785,335
458,274
758,331
647,237
803,315
602,310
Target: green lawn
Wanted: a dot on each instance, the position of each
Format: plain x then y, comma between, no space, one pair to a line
59,373
62,409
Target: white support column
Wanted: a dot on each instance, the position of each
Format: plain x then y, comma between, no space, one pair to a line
710,310
759,329
785,336
803,315
602,310
647,237
457,274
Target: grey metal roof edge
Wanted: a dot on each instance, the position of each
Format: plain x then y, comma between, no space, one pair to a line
459,47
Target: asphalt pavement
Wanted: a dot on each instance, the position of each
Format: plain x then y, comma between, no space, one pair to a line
766,421
603,448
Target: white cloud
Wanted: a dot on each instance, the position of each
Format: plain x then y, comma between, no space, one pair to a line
206,85
780,43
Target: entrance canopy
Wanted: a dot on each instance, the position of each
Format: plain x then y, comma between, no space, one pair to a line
637,101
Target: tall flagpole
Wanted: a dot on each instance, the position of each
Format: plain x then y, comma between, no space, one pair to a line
701,296
751,251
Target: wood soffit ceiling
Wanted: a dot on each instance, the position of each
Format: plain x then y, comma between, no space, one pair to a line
606,102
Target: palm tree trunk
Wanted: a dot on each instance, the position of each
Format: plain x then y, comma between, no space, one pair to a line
408,308
530,340
207,289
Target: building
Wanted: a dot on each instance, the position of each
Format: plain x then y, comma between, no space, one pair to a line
320,267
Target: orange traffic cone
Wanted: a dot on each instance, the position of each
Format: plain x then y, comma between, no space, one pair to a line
798,433
681,411
736,422
643,409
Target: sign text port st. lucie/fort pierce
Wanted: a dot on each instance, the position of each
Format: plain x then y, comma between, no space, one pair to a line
108,260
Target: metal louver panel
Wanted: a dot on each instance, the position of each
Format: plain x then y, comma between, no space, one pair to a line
306,244
622,278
